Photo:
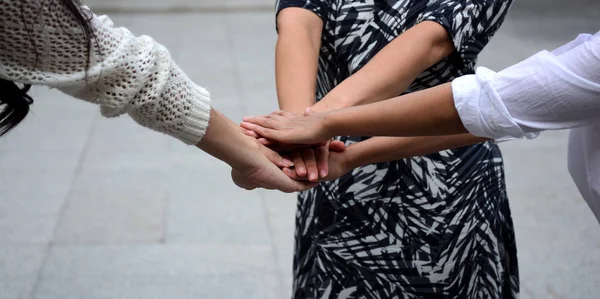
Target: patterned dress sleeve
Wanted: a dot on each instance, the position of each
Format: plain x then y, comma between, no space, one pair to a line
470,23
319,7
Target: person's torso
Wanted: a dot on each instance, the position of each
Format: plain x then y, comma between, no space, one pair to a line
354,32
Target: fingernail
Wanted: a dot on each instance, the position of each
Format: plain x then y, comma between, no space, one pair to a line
247,117
323,173
288,162
312,176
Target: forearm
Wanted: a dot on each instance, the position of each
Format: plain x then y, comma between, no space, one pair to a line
513,102
393,69
385,149
296,59
225,141
423,113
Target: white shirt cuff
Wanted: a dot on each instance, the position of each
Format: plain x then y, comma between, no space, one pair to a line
481,108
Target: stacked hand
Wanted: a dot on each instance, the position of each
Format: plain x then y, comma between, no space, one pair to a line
303,140
267,173
286,127
253,165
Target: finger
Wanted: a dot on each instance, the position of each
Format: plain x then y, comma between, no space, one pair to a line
293,175
299,165
251,134
277,117
310,160
262,131
337,146
267,121
277,159
266,142
300,185
322,155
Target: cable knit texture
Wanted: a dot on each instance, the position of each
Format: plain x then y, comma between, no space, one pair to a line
40,43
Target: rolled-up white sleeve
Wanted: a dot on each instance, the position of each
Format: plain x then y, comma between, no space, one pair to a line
548,91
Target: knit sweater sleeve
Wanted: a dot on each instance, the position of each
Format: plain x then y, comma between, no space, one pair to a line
41,44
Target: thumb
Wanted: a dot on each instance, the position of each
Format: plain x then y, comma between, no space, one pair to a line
337,146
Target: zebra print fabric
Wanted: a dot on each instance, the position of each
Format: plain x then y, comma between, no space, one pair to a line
437,226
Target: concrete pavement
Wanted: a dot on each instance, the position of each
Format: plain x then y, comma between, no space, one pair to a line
96,208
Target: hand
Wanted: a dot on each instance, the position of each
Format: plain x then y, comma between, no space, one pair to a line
309,160
286,127
265,173
338,166
276,145
312,163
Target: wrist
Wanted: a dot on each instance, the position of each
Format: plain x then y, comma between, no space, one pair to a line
226,142
330,125
352,157
296,108
331,102
249,155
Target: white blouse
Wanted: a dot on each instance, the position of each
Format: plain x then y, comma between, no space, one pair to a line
548,91
42,44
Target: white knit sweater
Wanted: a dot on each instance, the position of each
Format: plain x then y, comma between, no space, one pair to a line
40,43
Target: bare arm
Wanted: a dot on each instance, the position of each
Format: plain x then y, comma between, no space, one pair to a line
393,69
384,149
512,103
252,164
296,56
429,112
296,59
423,113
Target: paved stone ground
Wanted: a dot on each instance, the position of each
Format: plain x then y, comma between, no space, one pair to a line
101,209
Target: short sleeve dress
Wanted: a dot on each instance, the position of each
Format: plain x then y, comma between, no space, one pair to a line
437,226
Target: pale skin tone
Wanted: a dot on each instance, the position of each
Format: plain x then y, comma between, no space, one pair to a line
296,53
388,74
400,116
253,165
428,112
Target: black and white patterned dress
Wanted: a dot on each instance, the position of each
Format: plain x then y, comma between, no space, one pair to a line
437,226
